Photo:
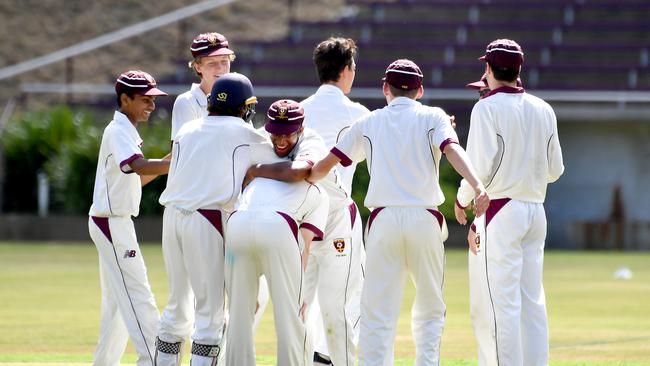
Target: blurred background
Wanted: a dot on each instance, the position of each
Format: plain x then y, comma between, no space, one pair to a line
588,58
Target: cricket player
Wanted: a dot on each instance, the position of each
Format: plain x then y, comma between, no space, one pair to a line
209,160
262,238
336,263
212,56
513,143
403,143
128,306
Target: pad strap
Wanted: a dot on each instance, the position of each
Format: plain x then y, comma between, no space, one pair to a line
166,347
205,350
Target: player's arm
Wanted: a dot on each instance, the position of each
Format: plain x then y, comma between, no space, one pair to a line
460,161
322,168
149,169
286,171
554,153
307,237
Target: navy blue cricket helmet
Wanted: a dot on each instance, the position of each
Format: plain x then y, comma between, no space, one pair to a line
230,93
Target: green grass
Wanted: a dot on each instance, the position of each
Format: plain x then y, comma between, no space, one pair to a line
49,308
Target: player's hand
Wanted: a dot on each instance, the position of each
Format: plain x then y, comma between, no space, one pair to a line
461,217
452,120
481,203
250,175
474,241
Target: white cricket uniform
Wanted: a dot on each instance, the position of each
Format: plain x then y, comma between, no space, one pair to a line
262,238
210,157
191,105
403,144
513,144
128,305
336,264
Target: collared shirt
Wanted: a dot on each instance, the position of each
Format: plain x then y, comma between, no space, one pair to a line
403,143
191,105
210,157
330,113
513,145
117,190
304,202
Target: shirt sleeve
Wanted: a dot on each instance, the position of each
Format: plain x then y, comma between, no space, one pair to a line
350,148
316,217
262,153
482,148
124,150
311,148
554,151
181,113
443,133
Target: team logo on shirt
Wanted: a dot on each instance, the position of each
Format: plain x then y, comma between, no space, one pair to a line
129,253
477,241
222,97
339,245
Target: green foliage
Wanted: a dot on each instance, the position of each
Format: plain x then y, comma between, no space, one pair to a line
65,144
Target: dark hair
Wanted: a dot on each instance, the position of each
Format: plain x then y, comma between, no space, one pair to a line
332,56
403,93
221,110
504,73
130,94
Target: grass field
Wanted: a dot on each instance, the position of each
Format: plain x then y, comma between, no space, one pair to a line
49,308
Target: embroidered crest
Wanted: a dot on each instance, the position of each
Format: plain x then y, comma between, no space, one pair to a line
282,113
339,245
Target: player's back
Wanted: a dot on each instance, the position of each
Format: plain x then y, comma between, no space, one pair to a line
524,135
210,157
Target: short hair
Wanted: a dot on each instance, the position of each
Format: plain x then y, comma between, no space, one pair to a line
396,92
504,73
332,56
129,93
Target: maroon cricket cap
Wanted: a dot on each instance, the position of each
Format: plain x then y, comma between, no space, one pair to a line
137,82
403,74
504,53
285,117
210,44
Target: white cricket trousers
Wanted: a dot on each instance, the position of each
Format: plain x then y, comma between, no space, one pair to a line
401,242
507,301
128,307
265,242
335,271
193,249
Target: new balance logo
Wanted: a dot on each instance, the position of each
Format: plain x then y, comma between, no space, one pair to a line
129,254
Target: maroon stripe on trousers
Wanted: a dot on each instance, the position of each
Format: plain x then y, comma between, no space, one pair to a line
353,213
437,215
102,224
373,214
292,224
495,206
214,217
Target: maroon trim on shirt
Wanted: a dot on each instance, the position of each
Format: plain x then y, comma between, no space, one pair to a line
345,161
214,217
310,162
495,206
505,89
353,213
292,224
373,214
447,142
102,224
437,215
131,159
473,227
314,229
459,205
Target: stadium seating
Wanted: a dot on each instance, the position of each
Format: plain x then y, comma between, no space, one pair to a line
568,44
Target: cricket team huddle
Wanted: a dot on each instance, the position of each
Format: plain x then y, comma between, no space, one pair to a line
258,213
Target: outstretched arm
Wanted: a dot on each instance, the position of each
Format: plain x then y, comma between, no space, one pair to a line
460,161
322,168
286,171
149,169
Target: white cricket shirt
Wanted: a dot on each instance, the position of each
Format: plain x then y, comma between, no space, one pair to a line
210,157
117,189
191,105
330,113
514,146
305,202
402,143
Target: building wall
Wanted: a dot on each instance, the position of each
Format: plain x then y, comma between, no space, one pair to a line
598,158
